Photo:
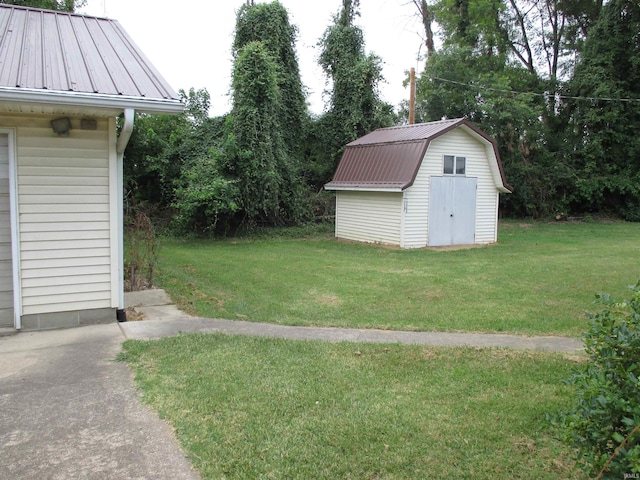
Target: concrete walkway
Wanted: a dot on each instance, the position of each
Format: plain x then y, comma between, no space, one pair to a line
69,411
162,319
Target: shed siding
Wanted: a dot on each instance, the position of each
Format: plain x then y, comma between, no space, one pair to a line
417,201
64,222
458,142
373,217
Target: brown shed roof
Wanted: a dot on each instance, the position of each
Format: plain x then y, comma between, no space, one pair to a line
389,158
44,52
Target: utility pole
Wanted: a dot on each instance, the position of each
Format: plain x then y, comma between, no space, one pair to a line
412,97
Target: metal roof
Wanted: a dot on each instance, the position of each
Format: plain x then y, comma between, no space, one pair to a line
389,158
384,166
418,131
50,52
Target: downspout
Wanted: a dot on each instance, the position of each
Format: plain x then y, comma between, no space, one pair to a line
123,140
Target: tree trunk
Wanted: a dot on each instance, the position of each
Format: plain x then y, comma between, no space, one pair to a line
427,20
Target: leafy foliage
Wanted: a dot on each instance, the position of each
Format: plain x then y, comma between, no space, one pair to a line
162,145
560,155
269,23
355,107
204,196
603,424
605,147
255,153
61,5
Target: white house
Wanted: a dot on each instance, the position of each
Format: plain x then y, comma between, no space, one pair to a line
64,80
430,184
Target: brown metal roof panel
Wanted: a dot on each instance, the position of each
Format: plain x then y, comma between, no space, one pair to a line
419,131
93,57
77,74
387,164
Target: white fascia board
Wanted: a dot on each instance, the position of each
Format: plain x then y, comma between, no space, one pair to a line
364,189
76,99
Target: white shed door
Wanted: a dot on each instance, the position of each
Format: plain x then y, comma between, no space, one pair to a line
6,269
452,211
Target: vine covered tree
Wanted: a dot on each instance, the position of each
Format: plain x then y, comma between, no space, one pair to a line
269,23
255,154
355,107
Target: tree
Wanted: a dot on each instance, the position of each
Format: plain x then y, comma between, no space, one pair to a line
605,147
161,145
255,154
457,82
426,16
61,5
503,65
269,23
355,107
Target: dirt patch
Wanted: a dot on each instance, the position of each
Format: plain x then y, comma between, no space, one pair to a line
133,315
325,298
328,299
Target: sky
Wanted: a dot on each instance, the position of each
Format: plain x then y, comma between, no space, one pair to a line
189,41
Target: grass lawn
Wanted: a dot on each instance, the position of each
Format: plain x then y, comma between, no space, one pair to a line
538,279
247,407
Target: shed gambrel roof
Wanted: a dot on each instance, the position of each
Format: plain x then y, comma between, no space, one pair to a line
49,57
389,158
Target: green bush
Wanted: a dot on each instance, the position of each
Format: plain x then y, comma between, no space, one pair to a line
604,425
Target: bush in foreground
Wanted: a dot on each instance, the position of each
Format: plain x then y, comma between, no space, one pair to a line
604,426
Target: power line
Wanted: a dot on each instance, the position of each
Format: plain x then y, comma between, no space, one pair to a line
514,92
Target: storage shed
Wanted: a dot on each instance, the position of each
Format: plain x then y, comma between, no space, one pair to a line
430,184
64,80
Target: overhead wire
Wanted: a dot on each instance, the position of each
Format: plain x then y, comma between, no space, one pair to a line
556,95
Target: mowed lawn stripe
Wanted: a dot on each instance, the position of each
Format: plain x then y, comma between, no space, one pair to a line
539,279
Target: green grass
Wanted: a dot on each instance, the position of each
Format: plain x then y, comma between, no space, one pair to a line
247,407
539,279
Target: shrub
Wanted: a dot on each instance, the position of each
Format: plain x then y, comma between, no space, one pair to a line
140,249
604,426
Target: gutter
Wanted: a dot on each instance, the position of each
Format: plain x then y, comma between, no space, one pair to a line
77,99
123,140
363,189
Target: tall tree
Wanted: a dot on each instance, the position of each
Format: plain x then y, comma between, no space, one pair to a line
269,23
255,154
502,65
426,17
605,124
355,107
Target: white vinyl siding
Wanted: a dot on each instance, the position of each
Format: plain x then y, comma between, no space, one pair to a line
458,142
6,268
373,217
64,224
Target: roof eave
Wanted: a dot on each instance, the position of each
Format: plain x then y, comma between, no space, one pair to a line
90,100
362,188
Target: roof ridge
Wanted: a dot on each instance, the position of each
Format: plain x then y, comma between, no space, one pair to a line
414,125
48,10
